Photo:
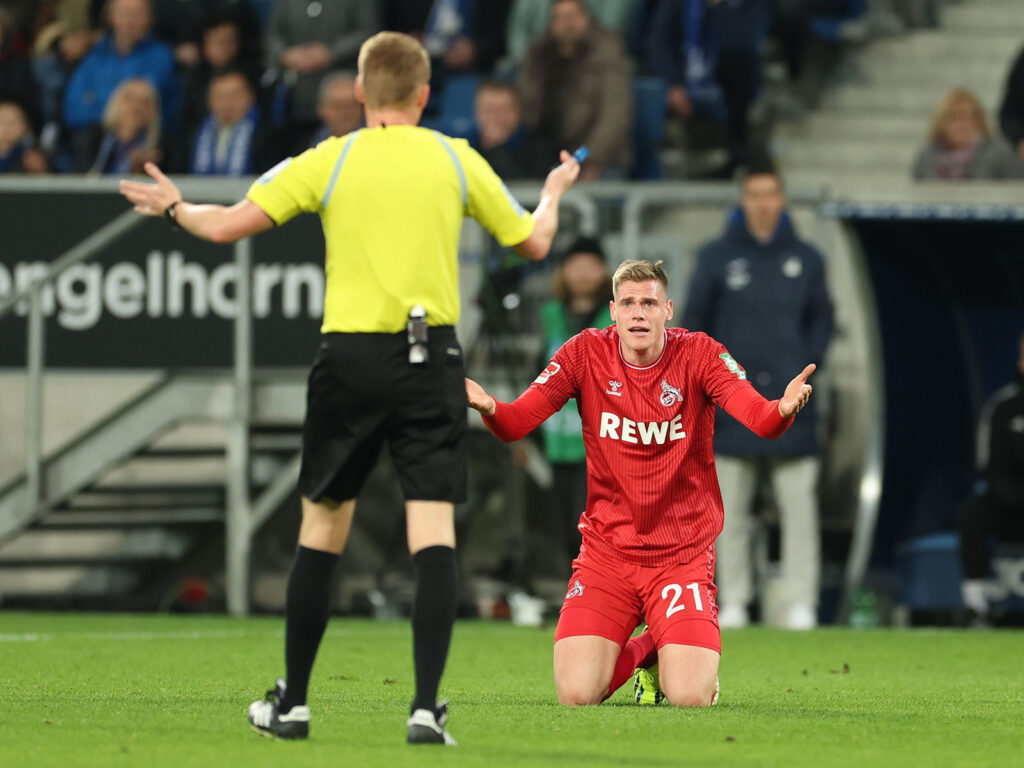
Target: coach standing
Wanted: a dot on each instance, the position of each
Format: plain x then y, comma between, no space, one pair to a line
761,291
391,198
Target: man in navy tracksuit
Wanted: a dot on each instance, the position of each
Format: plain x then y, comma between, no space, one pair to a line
761,291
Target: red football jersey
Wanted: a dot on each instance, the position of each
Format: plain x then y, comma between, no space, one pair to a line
652,490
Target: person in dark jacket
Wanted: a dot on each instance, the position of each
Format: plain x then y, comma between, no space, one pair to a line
761,292
1011,111
999,510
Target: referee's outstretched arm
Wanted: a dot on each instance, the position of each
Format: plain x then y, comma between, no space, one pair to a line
226,224
545,216
216,223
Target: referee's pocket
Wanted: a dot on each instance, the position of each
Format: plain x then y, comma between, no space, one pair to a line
454,378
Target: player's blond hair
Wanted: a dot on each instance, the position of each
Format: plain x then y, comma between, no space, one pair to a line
393,67
639,271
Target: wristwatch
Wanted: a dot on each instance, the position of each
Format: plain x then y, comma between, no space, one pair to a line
170,214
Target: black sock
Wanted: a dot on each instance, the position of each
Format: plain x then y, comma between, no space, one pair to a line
307,607
433,613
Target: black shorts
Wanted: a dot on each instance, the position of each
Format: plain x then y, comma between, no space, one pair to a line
362,393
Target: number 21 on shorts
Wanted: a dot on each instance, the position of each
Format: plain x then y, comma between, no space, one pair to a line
676,592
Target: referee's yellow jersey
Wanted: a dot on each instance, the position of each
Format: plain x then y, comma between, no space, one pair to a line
392,200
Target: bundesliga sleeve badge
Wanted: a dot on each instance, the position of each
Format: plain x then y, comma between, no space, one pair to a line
547,373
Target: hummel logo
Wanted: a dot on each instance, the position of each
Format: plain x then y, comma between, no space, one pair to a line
576,591
615,387
670,395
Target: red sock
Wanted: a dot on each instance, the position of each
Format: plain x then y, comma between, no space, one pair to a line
639,651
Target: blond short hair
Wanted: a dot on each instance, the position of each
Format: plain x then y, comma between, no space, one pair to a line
112,112
639,271
393,67
954,99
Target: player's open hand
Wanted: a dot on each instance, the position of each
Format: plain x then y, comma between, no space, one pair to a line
478,399
563,175
151,199
797,393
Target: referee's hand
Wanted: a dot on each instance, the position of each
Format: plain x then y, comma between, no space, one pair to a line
563,175
478,399
151,199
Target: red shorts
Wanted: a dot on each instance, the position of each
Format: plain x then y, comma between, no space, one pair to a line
607,597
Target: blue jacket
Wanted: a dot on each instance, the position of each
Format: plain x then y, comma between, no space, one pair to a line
768,304
103,69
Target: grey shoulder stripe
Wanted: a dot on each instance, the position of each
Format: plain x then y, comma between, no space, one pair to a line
337,167
456,162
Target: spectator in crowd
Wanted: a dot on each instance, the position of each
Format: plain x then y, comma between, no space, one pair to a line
527,20
576,90
65,31
709,54
961,146
460,35
16,81
130,50
180,23
339,110
1011,113
999,510
231,141
583,290
791,29
221,47
501,137
131,124
308,39
18,153
761,291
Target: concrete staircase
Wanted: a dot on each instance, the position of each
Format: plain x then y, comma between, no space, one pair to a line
869,131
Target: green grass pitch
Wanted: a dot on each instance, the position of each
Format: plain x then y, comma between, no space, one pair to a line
156,691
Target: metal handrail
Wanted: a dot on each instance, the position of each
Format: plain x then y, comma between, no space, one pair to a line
101,238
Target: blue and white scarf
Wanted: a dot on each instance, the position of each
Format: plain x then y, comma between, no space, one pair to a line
238,160
700,47
448,20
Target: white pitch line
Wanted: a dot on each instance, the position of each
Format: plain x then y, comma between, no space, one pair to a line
34,637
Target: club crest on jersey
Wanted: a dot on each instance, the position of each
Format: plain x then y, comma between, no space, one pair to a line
547,373
670,395
614,387
576,591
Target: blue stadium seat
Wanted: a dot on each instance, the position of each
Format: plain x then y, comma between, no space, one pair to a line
928,572
648,125
455,116
830,27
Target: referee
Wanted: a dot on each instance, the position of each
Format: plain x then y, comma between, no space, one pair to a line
389,369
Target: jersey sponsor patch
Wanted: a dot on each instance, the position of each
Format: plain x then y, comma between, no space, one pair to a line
626,430
268,175
733,366
547,373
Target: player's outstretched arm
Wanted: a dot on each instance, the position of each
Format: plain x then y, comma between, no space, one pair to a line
509,421
545,216
769,418
216,223
797,393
